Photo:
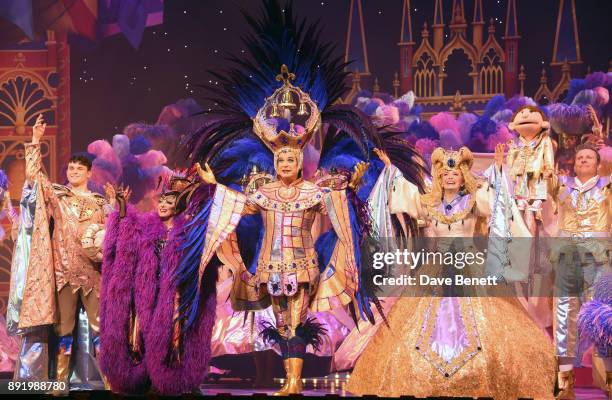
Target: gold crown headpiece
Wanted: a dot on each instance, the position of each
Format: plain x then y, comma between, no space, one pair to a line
175,184
442,159
289,117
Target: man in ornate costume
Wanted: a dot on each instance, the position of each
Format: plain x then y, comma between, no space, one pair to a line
259,224
471,346
64,263
583,204
287,274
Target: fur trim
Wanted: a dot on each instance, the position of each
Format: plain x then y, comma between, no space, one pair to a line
172,379
118,274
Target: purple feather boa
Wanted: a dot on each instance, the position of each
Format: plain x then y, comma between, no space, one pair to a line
595,317
186,377
118,274
595,321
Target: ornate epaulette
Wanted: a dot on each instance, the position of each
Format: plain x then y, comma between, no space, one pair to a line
60,190
332,180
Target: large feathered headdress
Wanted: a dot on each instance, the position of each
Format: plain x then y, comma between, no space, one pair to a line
252,99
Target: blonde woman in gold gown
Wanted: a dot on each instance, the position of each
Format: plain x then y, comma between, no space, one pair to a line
455,346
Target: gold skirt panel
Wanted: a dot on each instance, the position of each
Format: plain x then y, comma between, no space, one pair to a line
516,358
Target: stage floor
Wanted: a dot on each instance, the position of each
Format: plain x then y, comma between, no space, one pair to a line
238,388
331,386
312,388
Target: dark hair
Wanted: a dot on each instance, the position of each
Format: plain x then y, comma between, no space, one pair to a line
80,159
587,146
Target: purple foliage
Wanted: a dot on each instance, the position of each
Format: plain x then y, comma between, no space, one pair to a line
386,97
449,139
370,108
595,317
569,119
494,105
516,102
423,130
485,126
139,145
478,143
596,79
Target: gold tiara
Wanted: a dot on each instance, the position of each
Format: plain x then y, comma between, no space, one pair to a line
449,159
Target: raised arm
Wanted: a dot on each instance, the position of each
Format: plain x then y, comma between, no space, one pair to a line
33,157
404,196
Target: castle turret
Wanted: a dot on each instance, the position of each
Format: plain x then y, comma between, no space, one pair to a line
511,41
406,48
438,26
477,25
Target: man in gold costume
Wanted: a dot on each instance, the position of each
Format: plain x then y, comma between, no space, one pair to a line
65,257
583,205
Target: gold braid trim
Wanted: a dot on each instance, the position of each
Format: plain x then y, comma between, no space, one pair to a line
458,216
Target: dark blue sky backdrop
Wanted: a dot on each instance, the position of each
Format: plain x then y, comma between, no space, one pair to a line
114,84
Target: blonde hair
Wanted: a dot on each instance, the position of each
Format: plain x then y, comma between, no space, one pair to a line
441,161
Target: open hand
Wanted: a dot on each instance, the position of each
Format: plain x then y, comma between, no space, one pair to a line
111,194
499,155
383,157
206,174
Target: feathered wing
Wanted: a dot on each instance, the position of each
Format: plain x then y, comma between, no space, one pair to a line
342,151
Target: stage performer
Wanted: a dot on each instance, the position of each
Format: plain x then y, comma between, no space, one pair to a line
260,225
65,258
440,345
530,161
287,274
583,204
137,250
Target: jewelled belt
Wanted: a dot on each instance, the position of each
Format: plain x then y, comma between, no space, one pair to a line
287,266
584,235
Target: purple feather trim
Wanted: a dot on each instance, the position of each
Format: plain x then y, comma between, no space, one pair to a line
123,373
189,374
602,290
146,283
595,322
362,211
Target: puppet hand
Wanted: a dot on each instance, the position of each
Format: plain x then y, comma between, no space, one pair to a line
383,157
206,174
358,172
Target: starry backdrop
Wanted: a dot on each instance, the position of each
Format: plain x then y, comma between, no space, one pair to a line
114,84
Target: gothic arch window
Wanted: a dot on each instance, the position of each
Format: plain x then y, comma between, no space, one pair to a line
425,77
457,67
543,100
511,55
407,63
491,73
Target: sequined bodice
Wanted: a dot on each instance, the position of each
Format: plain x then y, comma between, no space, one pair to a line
585,208
288,214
